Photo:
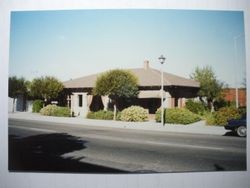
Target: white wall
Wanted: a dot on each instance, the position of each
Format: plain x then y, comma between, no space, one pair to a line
79,111
29,106
167,100
10,105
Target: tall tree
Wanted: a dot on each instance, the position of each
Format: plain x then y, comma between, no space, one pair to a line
210,86
117,83
17,87
45,88
244,82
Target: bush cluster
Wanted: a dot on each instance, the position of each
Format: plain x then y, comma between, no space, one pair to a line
53,110
242,110
118,115
219,103
209,117
158,115
221,116
195,107
177,116
102,114
134,113
37,106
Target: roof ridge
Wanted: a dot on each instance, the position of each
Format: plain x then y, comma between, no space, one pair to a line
148,77
83,77
164,79
156,70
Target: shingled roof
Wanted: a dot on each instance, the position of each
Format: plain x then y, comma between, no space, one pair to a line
147,77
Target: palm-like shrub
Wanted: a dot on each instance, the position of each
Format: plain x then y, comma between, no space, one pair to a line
117,84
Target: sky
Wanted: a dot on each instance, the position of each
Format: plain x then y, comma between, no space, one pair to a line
69,44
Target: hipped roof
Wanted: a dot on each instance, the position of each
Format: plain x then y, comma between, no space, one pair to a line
146,76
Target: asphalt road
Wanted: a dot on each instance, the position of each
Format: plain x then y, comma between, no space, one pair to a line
46,147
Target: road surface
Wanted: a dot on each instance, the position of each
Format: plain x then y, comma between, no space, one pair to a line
46,146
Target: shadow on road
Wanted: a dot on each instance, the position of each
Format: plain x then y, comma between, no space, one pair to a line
231,133
218,167
42,153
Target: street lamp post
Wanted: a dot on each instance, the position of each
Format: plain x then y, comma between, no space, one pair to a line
162,60
236,59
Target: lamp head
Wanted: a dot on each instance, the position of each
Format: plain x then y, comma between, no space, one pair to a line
162,59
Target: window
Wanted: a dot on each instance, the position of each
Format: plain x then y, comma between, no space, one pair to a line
80,100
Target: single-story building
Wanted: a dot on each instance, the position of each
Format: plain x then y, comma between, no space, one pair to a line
78,92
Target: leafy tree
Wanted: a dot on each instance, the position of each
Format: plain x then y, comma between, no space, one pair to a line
45,88
117,83
17,86
244,82
210,86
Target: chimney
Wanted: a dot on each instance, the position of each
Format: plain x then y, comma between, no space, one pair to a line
146,65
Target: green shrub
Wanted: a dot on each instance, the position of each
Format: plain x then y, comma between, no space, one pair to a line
48,110
134,113
242,110
219,103
158,115
102,114
90,115
62,112
177,116
195,107
37,106
53,110
221,116
210,119
224,114
118,116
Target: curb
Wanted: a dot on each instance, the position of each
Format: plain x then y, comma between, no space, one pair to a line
195,128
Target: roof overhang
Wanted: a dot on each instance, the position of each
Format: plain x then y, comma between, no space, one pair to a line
143,94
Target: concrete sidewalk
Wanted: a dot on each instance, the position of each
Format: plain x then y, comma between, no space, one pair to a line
195,128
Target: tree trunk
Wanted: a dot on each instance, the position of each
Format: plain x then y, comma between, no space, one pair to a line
115,111
13,106
210,105
45,102
202,100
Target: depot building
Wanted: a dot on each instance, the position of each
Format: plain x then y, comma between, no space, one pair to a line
78,92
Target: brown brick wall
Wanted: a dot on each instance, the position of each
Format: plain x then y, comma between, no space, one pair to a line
229,95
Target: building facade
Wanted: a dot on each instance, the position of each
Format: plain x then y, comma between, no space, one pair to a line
229,94
78,92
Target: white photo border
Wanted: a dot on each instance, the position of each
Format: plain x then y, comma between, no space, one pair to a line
54,180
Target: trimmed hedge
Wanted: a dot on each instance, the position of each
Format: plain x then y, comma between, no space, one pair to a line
221,116
177,116
102,114
195,107
53,110
134,113
37,106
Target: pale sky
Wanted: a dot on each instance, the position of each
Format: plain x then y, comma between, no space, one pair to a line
75,43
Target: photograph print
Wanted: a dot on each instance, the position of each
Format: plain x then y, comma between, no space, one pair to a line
127,91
